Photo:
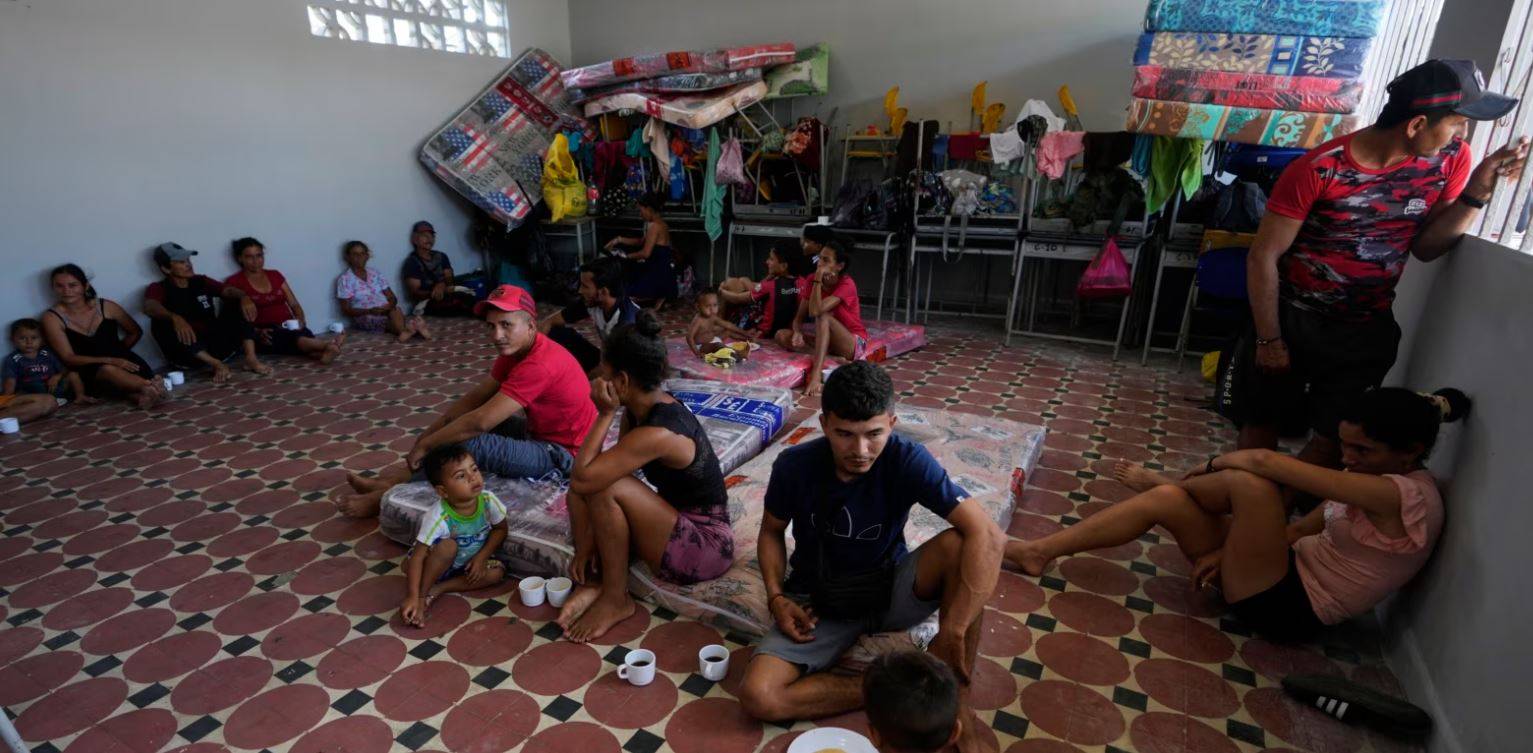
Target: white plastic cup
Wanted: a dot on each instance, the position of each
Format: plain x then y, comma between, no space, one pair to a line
177,377
10,425
169,383
532,590
823,219
713,662
292,324
337,327
557,589
638,667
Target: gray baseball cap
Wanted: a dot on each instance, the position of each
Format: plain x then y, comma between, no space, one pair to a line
165,253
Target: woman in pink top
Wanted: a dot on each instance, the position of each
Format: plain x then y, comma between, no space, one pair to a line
1287,580
828,294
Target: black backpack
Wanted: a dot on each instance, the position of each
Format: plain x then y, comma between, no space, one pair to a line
852,203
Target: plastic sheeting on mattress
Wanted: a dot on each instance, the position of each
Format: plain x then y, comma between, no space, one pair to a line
680,83
1284,128
1258,90
654,65
771,365
1329,57
688,111
1336,18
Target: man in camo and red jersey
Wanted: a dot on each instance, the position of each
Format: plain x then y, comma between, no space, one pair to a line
1340,224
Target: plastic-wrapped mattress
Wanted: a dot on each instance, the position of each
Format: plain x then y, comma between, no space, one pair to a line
1336,18
1258,90
679,83
658,64
1328,57
1284,128
492,150
688,111
773,366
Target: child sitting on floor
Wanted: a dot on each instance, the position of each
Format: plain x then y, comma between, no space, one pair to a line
32,369
830,296
706,331
773,301
912,703
453,547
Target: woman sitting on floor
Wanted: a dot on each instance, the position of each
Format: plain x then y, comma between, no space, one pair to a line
276,306
95,337
680,529
649,270
367,298
1289,580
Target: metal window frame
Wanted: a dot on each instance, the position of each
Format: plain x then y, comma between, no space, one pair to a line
1512,75
418,16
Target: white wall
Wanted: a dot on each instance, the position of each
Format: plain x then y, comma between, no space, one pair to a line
934,51
1458,634
131,122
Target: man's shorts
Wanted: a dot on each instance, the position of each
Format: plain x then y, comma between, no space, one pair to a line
832,638
1331,362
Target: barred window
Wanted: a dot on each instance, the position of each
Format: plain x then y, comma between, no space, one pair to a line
1505,219
473,27
1404,42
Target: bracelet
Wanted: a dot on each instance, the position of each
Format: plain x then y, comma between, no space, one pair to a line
1268,340
1210,468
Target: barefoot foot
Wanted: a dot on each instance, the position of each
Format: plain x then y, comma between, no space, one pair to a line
329,354
576,605
1138,477
1025,556
601,617
221,374
364,484
357,505
256,367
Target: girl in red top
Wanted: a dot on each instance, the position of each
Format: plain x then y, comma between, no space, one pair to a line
276,304
830,296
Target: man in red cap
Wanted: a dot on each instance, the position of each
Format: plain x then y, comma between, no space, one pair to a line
1340,225
534,380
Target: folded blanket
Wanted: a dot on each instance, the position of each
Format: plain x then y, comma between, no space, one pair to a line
680,83
1330,57
689,111
660,64
492,150
1247,125
1339,18
1259,90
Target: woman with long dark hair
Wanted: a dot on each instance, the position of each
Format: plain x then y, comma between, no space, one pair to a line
1382,518
649,264
276,306
95,337
680,528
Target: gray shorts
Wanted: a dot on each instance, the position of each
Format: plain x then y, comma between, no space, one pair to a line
832,638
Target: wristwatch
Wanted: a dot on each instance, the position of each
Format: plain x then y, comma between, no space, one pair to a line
1470,201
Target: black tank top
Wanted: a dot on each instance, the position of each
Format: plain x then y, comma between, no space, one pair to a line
105,342
701,483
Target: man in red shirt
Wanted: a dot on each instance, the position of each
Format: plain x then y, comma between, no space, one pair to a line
527,419
1340,224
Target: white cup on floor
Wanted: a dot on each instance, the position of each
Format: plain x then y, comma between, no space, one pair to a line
638,667
10,425
557,589
532,591
177,378
713,662
336,327
169,383
292,324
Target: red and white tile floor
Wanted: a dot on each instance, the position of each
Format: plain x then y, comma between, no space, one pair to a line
175,580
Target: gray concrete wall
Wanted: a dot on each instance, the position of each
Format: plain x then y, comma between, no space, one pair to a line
132,122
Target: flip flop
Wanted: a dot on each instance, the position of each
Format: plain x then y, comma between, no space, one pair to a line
1353,703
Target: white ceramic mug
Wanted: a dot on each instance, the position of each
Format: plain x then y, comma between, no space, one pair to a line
558,589
9,425
638,667
292,324
713,662
337,327
532,591
169,383
177,377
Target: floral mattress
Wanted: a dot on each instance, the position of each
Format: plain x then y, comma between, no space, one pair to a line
679,83
698,110
1257,90
658,64
772,366
740,421
1329,57
1334,18
492,151
1247,125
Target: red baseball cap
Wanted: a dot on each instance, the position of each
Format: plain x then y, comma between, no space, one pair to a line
508,298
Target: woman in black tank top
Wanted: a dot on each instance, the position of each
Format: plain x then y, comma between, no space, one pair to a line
95,337
680,528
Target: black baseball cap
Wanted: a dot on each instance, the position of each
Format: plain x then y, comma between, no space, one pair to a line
165,253
422,225
1454,84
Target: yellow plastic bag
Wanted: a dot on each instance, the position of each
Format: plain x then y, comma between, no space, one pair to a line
562,189
1210,366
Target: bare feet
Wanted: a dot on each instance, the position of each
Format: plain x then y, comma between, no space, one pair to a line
1138,477
603,614
970,740
221,374
576,605
364,484
256,367
813,388
357,505
149,395
405,334
329,354
1025,556
419,326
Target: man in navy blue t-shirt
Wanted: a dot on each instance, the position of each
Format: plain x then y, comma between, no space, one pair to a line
847,496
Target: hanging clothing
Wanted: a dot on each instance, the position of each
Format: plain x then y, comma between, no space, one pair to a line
1037,107
1174,164
713,191
1056,149
1006,146
635,144
659,145
731,166
1139,161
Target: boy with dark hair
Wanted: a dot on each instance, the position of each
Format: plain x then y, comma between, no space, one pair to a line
912,703
848,495
453,546
603,301
706,331
33,369
186,322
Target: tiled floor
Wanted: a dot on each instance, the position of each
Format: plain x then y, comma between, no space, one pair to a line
175,580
